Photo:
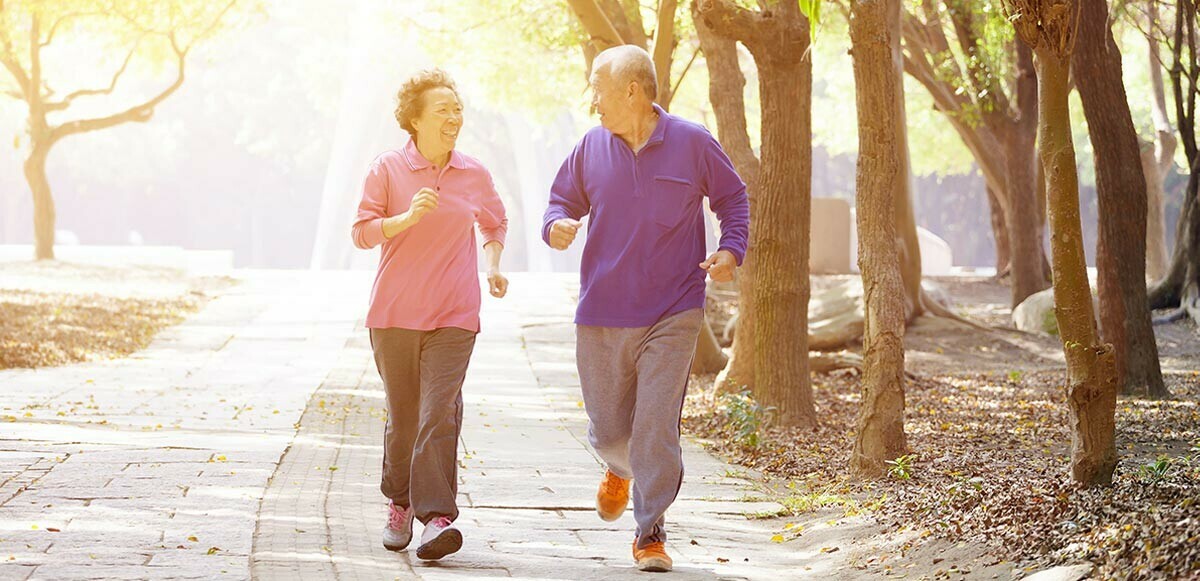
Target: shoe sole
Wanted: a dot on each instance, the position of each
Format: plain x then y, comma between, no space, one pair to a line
654,566
396,547
449,541
610,517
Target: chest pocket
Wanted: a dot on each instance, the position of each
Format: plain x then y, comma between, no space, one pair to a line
671,199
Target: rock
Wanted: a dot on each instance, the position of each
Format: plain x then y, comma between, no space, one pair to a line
1063,573
1036,313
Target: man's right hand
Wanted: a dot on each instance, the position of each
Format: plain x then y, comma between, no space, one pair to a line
562,233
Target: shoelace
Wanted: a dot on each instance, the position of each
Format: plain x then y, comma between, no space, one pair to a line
441,522
397,518
613,486
653,548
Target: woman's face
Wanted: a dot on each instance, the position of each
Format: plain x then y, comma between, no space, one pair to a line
440,119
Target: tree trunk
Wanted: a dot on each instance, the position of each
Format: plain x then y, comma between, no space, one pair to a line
880,177
1156,224
999,233
1162,159
726,86
1021,210
664,47
1091,369
1120,186
778,38
905,229
1180,288
779,237
44,215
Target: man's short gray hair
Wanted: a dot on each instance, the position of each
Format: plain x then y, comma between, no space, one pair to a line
629,63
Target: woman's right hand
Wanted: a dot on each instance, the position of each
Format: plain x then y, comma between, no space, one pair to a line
424,202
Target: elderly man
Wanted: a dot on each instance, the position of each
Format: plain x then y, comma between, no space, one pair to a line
641,177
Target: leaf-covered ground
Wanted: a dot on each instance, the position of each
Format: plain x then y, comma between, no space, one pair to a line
54,313
987,430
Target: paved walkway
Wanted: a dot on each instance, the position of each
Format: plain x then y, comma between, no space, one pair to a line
246,442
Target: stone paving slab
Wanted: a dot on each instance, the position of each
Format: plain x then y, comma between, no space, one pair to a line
527,478
154,466
246,443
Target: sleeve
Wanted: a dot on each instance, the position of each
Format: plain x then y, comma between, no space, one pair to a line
368,225
493,221
567,197
727,197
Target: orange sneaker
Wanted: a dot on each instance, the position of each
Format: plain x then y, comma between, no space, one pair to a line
613,497
651,558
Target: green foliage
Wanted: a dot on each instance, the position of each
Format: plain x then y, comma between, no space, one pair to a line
902,468
812,11
1155,472
745,417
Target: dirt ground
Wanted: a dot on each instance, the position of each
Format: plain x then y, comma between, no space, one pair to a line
57,312
987,493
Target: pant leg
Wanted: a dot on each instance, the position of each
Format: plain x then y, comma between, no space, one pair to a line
398,358
445,354
663,363
606,359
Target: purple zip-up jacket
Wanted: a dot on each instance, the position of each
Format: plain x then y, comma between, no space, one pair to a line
645,238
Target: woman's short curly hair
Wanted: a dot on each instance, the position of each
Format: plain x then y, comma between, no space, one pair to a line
408,99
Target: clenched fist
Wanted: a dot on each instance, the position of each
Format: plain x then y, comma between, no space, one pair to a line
497,284
562,233
720,265
424,202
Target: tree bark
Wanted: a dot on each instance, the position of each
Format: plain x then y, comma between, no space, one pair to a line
778,39
726,93
600,30
664,47
1019,135
1048,27
1159,162
999,233
1156,224
1180,288
880,177
44,214
1091,367
907,240
1120,185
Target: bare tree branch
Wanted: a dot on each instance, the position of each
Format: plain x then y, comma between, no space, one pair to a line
730,19
599,29
138,113
62,19
684,73
66,101
664,48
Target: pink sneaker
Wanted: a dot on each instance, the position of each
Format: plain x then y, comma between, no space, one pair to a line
398,533
439,539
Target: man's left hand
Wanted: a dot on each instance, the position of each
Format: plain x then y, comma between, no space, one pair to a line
720,266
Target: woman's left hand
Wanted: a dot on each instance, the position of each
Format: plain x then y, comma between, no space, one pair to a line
497,284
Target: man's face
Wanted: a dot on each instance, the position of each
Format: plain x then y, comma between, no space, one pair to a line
612,101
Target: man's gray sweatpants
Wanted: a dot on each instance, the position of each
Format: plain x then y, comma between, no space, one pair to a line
634,380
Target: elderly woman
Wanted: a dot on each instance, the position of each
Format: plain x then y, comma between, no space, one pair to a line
421,203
